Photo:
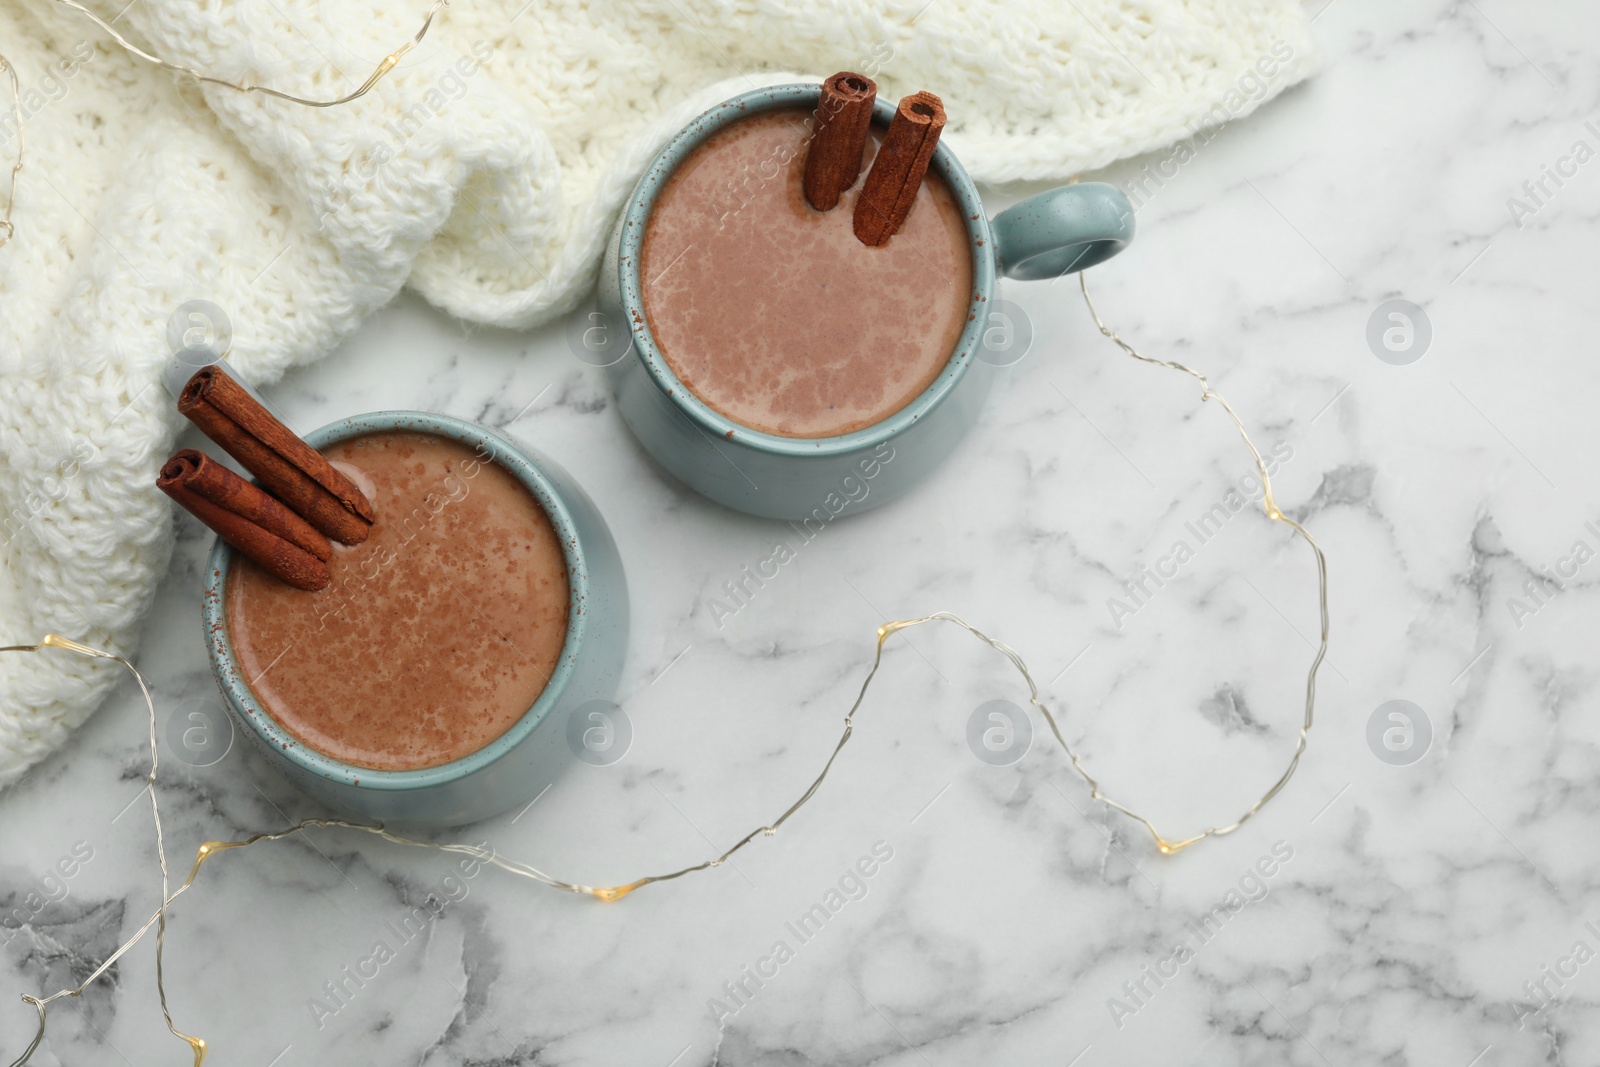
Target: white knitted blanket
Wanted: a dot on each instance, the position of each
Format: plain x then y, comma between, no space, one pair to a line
483,172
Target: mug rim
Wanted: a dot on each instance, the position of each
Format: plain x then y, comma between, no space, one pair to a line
520,464
635,218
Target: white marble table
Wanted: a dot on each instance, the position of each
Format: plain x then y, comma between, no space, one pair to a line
1440,912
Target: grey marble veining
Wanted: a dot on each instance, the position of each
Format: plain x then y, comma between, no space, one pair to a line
1444,911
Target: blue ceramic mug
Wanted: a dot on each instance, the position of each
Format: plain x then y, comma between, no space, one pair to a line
513,768
1051,234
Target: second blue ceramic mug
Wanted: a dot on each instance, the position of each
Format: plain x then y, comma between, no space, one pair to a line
518,765
1051,234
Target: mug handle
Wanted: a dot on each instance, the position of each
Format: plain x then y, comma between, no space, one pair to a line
1064,230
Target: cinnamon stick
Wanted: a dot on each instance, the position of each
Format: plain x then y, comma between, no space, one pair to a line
897,171
833,162
286,466
243,515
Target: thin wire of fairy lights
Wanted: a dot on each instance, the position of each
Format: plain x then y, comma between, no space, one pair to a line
8,228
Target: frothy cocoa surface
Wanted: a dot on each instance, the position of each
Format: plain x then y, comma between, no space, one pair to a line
435,636
776,315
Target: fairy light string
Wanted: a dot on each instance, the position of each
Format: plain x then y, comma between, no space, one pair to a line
385,65
159,919
1164,844
1270,504
8,228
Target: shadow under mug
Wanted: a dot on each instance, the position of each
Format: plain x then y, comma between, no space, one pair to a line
516,766
1054,233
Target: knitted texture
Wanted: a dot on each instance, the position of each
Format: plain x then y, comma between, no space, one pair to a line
483,171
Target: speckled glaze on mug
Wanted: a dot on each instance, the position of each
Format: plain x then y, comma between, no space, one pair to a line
516,766
1054,233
